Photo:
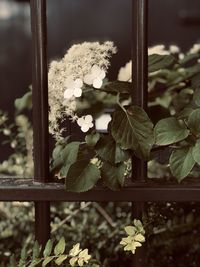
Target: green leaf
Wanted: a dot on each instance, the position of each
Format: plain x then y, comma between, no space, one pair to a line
35,262
132,129
82,176
25,102
188,59
12,261
117,87
56,152
168,131
113,176
108,150
130,230
60,259
196,151
47,260
60,247
23,256
92,139
69,156
196,97
181,162
48,248
194,122
36,250
195,81
157,62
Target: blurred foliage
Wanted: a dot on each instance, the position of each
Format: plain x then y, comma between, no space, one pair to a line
18,135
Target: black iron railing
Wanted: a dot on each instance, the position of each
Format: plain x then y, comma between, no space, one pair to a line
40,189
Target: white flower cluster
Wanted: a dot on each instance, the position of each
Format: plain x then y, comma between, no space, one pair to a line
161,50
125,72
135,237
79,256
83,64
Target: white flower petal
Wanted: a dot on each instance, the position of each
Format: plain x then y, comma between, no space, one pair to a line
102,74
80,121
95,71
69,83
77,92
97,83
85,128
78,83
88,79
90,125
68,93
88,118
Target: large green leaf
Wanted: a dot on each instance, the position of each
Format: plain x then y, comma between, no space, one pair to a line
181,162
196,151
132,129
194,122
82,176
69,156
108,150
157,62
113,176
168,131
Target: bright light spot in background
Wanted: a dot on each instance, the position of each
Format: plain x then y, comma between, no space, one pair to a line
8,9
5,10
101,123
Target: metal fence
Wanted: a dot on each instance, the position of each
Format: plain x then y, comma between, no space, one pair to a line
40,189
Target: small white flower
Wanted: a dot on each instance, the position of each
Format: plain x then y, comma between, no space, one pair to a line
85,123
73,88
158,49
125,72
174,49
96,77
6,132
181,56
195,49
13,144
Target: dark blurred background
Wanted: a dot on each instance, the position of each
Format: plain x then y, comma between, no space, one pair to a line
70,21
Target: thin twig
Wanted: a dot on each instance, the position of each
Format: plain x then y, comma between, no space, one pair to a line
104,214
55,228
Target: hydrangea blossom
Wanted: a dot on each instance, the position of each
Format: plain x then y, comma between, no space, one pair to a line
73,88
85,122
76,64
95,77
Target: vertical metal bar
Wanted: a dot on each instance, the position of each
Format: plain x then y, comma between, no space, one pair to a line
139,95
40,114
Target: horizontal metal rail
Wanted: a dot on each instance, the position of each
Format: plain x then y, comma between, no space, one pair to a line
28,190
